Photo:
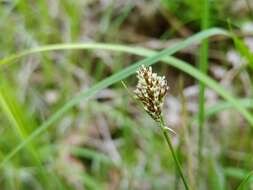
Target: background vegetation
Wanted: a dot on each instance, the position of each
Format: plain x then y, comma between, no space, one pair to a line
67,122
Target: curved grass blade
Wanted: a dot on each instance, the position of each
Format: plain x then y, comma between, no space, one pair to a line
121,48
183,66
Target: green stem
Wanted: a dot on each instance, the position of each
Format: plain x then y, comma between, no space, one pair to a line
178,165
203,67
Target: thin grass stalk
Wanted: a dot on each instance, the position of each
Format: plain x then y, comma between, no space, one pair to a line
203,67
178,165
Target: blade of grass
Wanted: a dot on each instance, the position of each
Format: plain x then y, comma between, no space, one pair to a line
237,173
203,67
245,181
223,105
87,153
241,47
216,175
183,66
90,182
20,122
120,48
244,50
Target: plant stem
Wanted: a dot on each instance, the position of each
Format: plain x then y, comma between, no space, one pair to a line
203,67
167,138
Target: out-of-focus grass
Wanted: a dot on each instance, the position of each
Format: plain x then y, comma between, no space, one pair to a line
153,58
106,142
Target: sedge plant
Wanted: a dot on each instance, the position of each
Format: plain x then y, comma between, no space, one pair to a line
150,91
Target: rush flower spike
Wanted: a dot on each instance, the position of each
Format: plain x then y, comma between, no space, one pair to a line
151,90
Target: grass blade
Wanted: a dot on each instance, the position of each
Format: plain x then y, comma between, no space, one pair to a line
245,181
189,41
223,105
87,153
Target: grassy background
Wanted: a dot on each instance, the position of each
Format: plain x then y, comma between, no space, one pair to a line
68,123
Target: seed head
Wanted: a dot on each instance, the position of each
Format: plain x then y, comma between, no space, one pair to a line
151,90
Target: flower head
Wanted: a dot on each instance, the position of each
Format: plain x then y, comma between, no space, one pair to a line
151,90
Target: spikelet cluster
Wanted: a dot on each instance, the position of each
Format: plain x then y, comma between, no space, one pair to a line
151,90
